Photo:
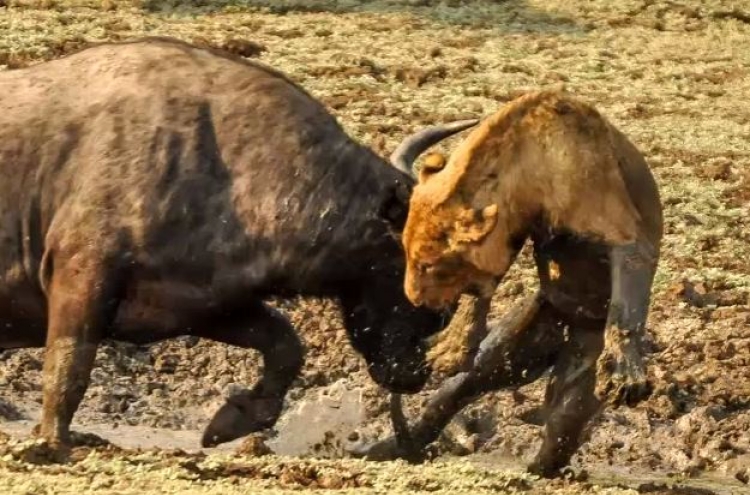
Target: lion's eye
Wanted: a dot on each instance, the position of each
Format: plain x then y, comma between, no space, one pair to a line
439,273
423,268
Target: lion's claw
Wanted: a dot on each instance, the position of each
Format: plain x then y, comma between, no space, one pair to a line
621,381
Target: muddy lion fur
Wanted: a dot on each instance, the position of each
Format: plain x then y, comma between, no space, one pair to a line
499,162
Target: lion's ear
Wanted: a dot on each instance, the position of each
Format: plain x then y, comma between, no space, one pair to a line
475,224
432,164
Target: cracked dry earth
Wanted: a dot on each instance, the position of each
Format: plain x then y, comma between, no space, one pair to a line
673,75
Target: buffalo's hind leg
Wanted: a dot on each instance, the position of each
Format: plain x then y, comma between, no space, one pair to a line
83,294
570,402
269,332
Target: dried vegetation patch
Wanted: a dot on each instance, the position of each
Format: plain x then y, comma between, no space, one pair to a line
165,471
673,75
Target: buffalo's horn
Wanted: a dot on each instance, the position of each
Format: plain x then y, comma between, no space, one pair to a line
410,148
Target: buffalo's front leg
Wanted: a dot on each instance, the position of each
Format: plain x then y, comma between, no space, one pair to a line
453,351
83,296
621,374
570,402
269,332
517,350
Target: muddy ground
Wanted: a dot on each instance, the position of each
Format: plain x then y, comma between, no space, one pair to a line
674,76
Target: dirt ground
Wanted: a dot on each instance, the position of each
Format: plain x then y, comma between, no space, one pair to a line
673,75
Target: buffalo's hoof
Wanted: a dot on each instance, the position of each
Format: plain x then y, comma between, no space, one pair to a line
388,450
75,439
542,469
240,416
621,381
384,450
45,451
552,471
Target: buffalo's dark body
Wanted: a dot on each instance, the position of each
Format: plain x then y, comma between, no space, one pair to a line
152,189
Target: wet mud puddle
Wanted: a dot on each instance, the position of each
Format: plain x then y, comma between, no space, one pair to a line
316,425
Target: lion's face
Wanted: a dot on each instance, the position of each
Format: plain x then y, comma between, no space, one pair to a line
443,245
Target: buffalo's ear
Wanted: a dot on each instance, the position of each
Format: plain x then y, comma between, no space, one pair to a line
395,207
474,224
432,164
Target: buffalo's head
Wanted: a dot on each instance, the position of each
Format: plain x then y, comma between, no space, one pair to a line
383,325
390,333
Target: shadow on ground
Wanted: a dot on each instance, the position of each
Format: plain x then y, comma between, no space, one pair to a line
506,16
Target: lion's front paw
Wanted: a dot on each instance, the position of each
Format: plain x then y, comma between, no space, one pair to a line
621,380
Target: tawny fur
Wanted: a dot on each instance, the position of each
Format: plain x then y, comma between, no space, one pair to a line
543,157
452,348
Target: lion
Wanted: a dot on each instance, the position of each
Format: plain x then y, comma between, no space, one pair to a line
548,168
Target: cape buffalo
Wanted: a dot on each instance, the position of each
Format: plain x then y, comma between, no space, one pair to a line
550,168
152,189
